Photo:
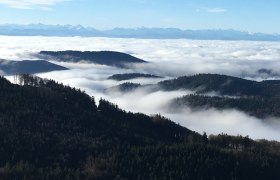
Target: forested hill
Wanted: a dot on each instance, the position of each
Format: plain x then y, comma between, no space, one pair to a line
260,99
123,88
255,106
52,131
28,66
110,58
128,76
222,84
219,84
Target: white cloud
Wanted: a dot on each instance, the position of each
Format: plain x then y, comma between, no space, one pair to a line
232,122
211,10
29,4
212,121
169,58
216,10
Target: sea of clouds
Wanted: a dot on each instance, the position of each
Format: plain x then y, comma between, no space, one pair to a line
168,58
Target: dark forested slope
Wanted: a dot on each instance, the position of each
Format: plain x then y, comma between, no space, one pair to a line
51,131
260,107
110,58
221,85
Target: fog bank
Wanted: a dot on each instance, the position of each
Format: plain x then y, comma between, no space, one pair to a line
169,58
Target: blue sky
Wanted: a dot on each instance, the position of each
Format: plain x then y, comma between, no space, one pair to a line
246,15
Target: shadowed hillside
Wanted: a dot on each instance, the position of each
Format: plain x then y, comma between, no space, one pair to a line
52,131
221,84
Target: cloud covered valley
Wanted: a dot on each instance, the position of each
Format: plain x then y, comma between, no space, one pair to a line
168,59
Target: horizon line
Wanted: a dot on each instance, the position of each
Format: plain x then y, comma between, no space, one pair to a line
142,27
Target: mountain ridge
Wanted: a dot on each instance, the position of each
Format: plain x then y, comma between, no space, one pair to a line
143,32
110,58
222,84
129,76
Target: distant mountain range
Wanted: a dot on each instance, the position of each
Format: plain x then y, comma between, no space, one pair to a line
28,66
145,33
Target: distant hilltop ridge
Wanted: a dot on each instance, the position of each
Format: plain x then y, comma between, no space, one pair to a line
109,58
143,32
9,67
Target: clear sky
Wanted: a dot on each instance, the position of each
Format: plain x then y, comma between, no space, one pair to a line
246,15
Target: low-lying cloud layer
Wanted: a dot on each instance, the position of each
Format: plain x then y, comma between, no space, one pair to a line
169,58
230,121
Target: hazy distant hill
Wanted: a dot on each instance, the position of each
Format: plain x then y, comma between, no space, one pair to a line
110,58
28,66
122,88
148,33
260,99
221,84
255,106
128,76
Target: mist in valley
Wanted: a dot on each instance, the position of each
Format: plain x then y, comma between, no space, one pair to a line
169,59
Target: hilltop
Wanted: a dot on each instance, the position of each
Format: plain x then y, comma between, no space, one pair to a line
28,66
110,58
